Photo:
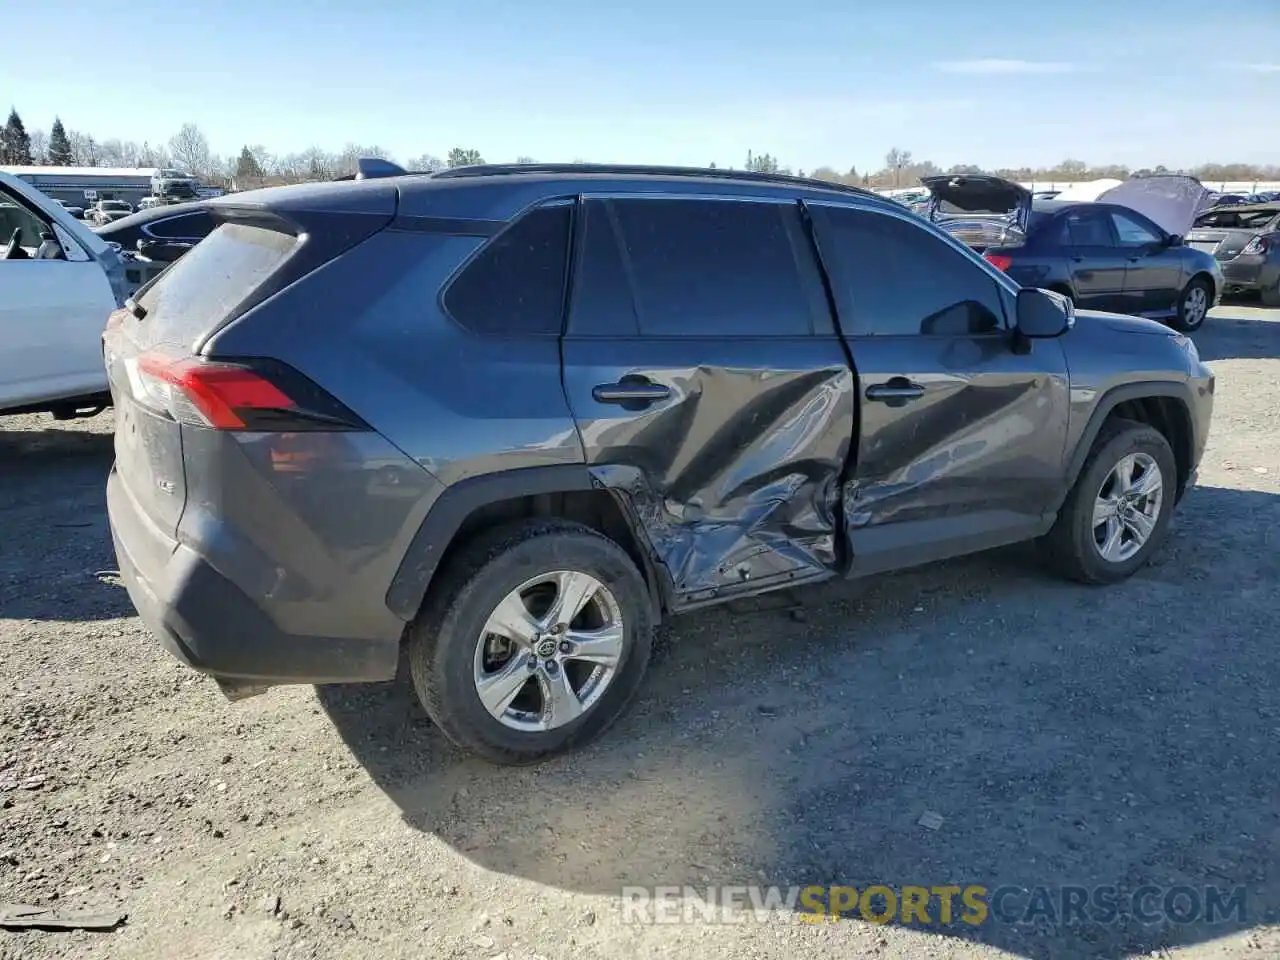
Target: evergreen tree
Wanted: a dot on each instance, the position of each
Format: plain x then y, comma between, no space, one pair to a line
60,154
15,144
247,166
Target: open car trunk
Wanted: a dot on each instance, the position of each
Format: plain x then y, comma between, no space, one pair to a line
980,211
1226,231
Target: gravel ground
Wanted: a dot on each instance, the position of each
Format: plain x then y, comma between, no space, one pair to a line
1063,736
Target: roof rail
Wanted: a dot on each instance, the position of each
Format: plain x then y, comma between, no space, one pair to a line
372,168
641,170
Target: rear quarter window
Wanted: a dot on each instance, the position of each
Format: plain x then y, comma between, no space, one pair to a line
195,294
514,287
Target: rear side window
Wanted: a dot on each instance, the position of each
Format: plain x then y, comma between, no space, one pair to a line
900,279
515,286
718,267
202,288
1089,228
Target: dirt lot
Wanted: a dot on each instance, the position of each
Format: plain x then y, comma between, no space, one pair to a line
1064,735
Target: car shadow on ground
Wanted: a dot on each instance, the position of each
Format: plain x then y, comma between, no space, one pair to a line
57,562
1239,331
1062,735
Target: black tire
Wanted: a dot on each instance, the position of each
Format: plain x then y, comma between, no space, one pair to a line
443,640
1271,295
1182,320
1070,546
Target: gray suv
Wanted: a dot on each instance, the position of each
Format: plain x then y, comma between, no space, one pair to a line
511,416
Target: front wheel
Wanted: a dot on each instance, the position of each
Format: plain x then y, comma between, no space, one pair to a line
1193,305
536,643
1118,512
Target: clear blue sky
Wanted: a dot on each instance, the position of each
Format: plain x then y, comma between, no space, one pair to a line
820,82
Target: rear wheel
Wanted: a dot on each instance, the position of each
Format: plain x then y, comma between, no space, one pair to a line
536,644
1118,512
1193,305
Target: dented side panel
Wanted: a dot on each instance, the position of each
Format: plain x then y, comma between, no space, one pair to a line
735,476
974,461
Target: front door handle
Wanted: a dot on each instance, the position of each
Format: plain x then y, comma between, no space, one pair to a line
898,390
631,391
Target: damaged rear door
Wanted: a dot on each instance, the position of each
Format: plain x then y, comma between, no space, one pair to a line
710,387
962,432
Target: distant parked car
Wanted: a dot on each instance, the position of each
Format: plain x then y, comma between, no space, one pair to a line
166,232
147,203
175,183
77,212
1124,252
60,283
1245,239
1045,194
1227,199
107,211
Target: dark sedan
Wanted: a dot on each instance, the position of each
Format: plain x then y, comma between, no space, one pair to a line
1245,239
1124,253
166,232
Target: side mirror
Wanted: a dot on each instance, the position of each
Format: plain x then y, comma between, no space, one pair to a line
1043,314
1173,240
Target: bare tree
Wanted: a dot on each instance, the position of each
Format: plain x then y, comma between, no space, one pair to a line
291,168
263,157
189,149
317,165
459,157
525,160
39,146
426,163
84,151
113,154
897,160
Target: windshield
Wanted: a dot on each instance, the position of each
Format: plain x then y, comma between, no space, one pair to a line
1236,219
113,205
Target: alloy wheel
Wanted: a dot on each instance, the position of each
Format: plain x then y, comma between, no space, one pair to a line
1196,306
1127,507
549,650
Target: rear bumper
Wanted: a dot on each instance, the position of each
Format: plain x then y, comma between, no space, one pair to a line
210,624
1250,273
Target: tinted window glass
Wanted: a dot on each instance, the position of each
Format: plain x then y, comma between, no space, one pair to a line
1088,229
189,226
1045,231
901,279
603,304
718,268
1131,232
204,286
515,286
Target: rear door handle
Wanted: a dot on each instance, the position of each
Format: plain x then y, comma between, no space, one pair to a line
897,391
631,391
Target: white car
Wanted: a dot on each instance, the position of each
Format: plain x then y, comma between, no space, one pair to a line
59,282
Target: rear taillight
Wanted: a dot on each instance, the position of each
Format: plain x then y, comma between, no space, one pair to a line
1256,245
243,395
998,260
